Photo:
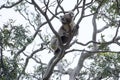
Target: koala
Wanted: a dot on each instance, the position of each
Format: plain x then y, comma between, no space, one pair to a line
68,29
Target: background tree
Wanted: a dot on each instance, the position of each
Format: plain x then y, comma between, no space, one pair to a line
24,40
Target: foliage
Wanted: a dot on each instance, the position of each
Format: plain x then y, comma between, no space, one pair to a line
25,53
105,66
9,69
14,36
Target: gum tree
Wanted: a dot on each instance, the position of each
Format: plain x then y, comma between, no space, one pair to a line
25,39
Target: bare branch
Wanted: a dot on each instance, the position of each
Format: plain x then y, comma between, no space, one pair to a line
103,28
94,31
117,30
77,5
46,5
59,5
82,13
48,20
27,61
2,67
118,6
93,51
76,71
14,4
52,64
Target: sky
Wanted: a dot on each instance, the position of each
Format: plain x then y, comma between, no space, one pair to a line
84,36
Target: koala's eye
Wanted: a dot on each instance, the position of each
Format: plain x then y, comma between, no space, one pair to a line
63,20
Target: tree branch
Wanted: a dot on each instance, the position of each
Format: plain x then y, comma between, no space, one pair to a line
27,61
14,4
52,64
82,13
117,30
48,21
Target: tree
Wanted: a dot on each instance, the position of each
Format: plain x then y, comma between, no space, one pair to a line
27,42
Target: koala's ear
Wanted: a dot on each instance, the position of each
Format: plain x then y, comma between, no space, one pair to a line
71,13
60,18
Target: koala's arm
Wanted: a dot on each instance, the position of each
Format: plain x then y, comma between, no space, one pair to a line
75,30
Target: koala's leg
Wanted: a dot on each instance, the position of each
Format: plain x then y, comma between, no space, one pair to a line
57,51
64,39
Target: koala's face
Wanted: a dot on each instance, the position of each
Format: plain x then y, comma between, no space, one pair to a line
67,18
